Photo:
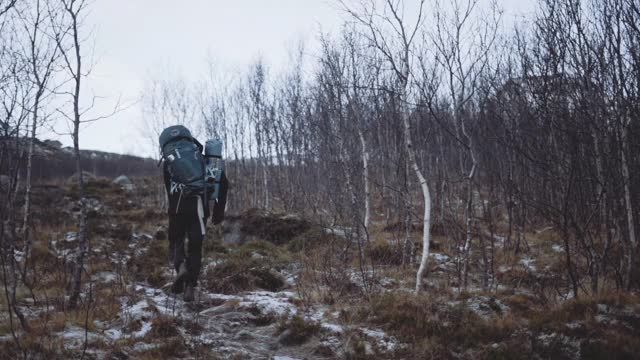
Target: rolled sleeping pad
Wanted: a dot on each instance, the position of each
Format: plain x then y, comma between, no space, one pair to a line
215,164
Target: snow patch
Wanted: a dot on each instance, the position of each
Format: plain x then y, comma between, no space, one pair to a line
114,334
146,327
270,303
441,258
70,236
387,343
528,263
334,328
105,276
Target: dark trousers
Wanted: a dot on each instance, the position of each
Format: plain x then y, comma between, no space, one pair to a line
180,226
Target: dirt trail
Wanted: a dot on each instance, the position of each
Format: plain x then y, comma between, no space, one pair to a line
133,315
240,326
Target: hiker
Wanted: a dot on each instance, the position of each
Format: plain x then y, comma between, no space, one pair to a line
190,192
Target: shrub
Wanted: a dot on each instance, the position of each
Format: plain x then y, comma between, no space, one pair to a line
247,267
276,228
171,348
163,327
384,253
417,318
296,330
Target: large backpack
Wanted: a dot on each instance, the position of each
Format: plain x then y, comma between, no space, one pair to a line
183,156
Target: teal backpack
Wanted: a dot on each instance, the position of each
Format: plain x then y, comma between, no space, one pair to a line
183,155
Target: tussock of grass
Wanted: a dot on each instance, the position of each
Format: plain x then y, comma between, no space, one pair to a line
171,348
384,253
296,330
275,228
163,327
141,215
611,346
211,247
34,347
120,231
151,265
400,226
514,348
577,321
248,267
325,276
584,310
311,240
522,304
98,188
421,320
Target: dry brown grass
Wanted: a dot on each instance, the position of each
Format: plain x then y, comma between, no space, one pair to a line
384,253
275,228
101,188
163,327
584,309
247,267
296,330
34,347
169,348
151,265
434,328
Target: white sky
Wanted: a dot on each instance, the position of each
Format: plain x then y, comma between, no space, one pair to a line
135,39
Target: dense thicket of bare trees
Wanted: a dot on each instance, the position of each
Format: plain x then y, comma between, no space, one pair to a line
430,123
40,64
503,132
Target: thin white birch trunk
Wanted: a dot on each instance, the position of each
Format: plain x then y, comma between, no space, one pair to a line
27,195
426,222
26,220
365,178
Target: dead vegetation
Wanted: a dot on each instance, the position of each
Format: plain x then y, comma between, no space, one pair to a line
253,265
296,330
524,313
275,228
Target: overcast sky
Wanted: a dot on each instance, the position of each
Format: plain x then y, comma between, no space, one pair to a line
135,39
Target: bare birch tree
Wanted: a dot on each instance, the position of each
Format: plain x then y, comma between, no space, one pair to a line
69,40
41,53
463,39
397,47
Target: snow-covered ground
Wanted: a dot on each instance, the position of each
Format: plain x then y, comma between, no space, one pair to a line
229,326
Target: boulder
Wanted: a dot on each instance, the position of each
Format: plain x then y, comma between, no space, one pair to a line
124,182
86,177
53,143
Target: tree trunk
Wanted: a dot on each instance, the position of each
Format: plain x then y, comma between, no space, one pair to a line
365,178
27,197
426,222
633,248
82,222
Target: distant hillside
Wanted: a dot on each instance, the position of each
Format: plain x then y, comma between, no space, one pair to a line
51,161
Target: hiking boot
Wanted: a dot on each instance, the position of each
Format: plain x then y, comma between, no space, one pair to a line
189,293
178,283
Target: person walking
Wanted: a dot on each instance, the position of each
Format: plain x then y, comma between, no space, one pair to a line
187,218
189,188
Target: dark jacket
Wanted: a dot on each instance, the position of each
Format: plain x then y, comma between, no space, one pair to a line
180,203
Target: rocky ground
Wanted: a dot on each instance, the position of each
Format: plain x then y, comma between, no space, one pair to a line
271,288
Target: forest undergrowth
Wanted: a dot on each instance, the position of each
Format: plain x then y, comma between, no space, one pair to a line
279,283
